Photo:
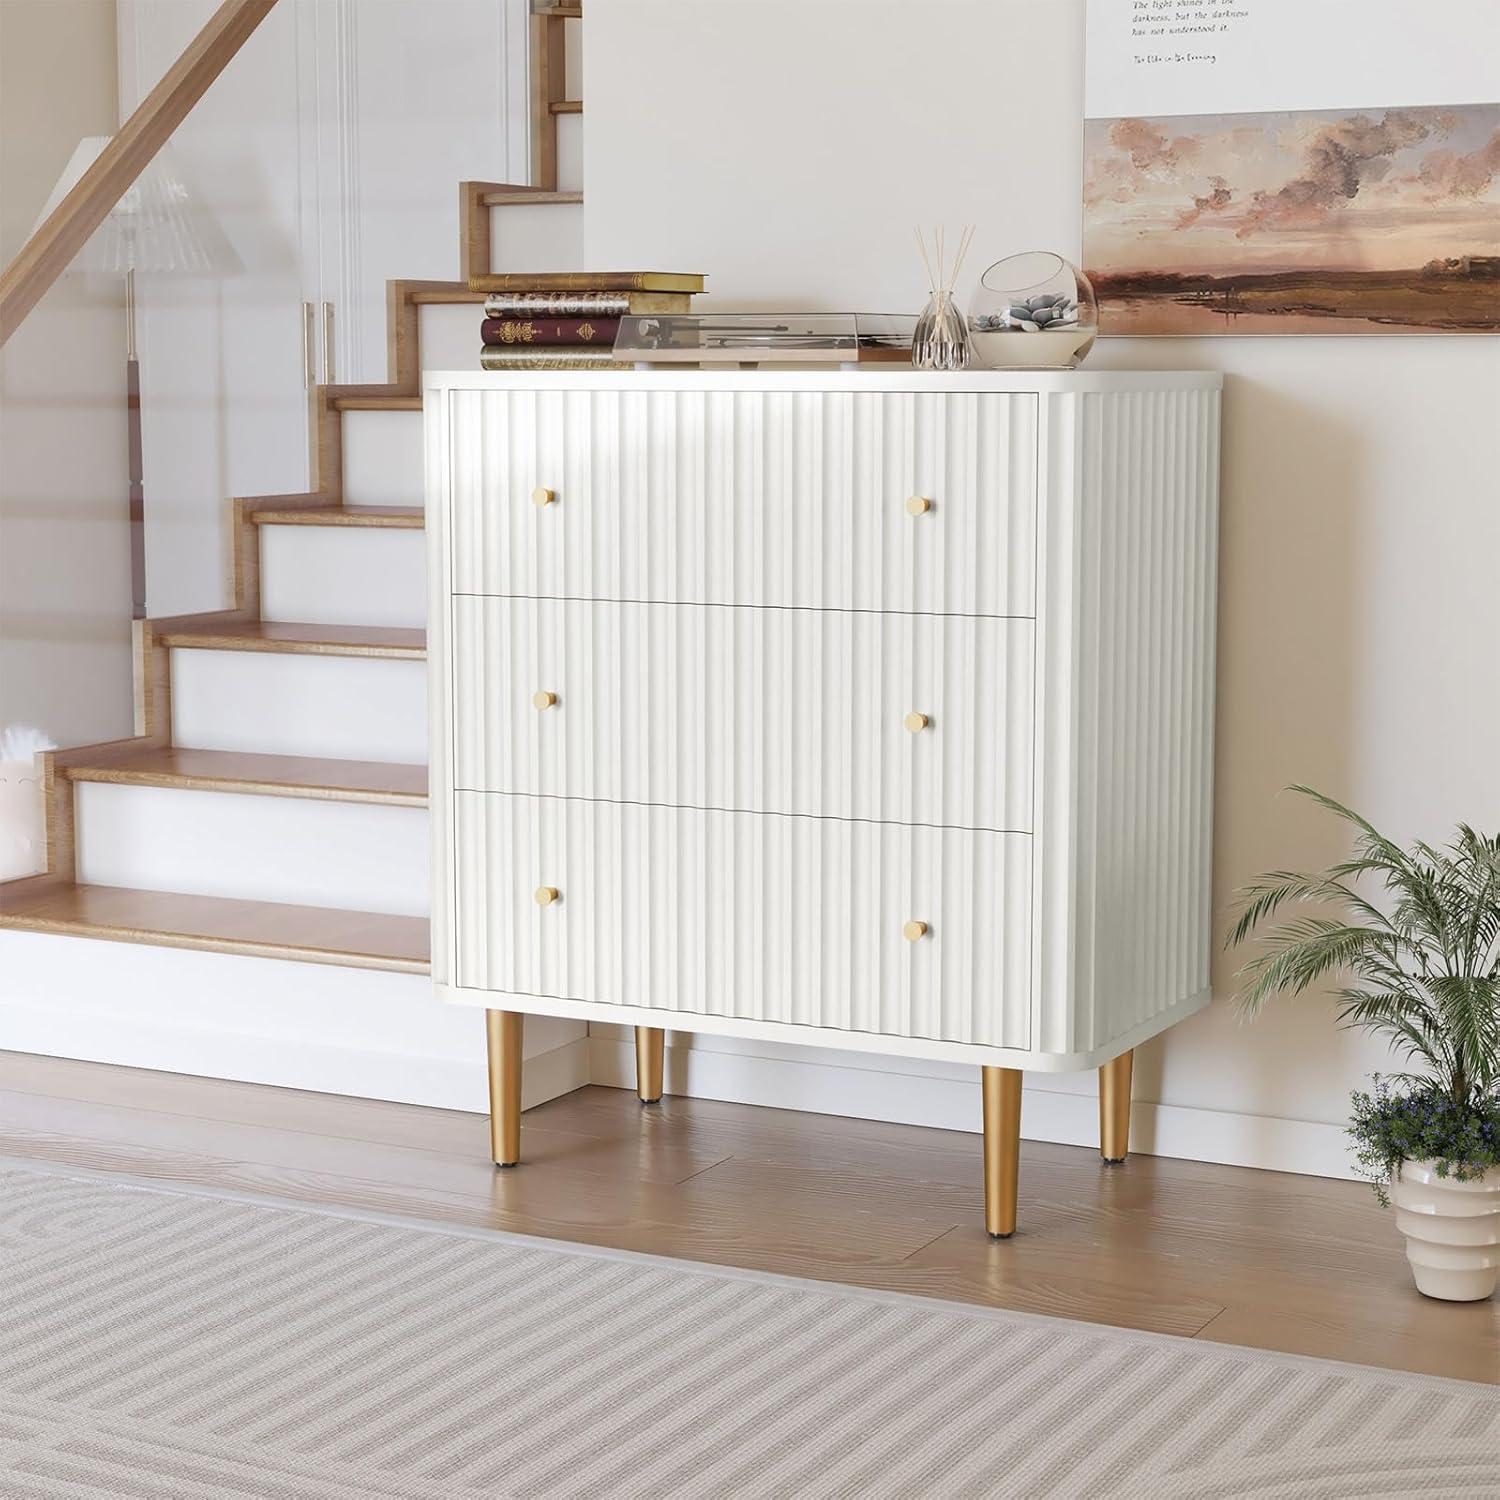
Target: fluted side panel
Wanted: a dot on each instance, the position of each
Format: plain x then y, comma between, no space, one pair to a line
442,451
755,710
750,497
765,918
1126,751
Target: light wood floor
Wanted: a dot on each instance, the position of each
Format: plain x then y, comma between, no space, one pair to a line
1258,1258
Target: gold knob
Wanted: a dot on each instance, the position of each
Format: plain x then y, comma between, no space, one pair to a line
546,895
913,930
543,699
541,496
916,722
917,505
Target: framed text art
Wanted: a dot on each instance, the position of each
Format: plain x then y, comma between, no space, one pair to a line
1293,166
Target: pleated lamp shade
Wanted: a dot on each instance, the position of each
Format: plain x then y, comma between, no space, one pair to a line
156,225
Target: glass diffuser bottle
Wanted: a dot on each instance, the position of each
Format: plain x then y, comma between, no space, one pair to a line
941,340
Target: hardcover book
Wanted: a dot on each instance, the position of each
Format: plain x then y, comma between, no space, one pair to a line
544,331
530,357
587,281
584,304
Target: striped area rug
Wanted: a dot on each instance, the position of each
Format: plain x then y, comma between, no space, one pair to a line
158,1344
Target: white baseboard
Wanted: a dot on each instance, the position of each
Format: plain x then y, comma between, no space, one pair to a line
304,1026
320,1067
948,1099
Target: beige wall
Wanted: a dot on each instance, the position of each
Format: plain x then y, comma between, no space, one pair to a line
64,542
787,148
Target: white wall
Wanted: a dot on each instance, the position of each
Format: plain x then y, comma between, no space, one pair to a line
787,148
64,534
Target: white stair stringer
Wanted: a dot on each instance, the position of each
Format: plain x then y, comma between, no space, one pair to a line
351,856
343,707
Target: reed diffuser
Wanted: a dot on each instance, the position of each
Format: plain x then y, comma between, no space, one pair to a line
941,341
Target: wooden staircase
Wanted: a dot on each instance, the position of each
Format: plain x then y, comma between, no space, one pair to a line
56,901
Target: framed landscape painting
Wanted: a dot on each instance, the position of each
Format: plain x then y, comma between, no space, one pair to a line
1362,197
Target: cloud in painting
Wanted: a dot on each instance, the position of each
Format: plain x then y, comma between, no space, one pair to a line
1215,201
1150,149
1342,156
1339,188
1447,175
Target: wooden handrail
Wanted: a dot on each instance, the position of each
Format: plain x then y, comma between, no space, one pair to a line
47,254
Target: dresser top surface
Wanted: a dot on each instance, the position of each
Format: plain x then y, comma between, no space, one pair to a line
881,381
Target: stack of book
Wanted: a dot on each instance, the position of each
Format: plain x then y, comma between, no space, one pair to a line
567,320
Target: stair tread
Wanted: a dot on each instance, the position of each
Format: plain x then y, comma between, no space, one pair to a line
393,402
567,107
411,516
237,770
296,637
219,924
530,195
427,292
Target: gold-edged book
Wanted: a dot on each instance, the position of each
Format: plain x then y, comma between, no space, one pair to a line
530,357
535,304
587,281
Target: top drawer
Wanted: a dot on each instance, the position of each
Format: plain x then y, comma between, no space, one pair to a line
811,499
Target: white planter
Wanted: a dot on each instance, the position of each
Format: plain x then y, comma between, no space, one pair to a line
1452,1231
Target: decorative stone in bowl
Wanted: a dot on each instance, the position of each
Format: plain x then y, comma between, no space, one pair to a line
1034,311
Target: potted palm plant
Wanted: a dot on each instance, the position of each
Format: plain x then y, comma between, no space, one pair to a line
1419,962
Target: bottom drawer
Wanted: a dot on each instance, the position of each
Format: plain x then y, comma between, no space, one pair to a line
798,920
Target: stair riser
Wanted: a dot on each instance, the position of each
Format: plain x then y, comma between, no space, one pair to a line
573,58
383,457
570,150
351,708
533,237
343,575
259,848
450,334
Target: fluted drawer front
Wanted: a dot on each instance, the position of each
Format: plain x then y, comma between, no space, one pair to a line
757,710
807,498
789,919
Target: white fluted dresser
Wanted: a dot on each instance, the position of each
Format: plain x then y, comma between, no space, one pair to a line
868,710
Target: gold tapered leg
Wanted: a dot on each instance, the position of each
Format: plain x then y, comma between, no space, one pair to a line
503,1036
1114,1108
650,1062
1002,1149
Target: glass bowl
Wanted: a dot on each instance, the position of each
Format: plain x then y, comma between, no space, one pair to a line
1033,311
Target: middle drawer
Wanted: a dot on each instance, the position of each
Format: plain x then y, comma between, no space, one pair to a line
826,713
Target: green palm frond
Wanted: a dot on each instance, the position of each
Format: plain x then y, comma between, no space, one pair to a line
1305,950
1265,895
1425,950
1412,1029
